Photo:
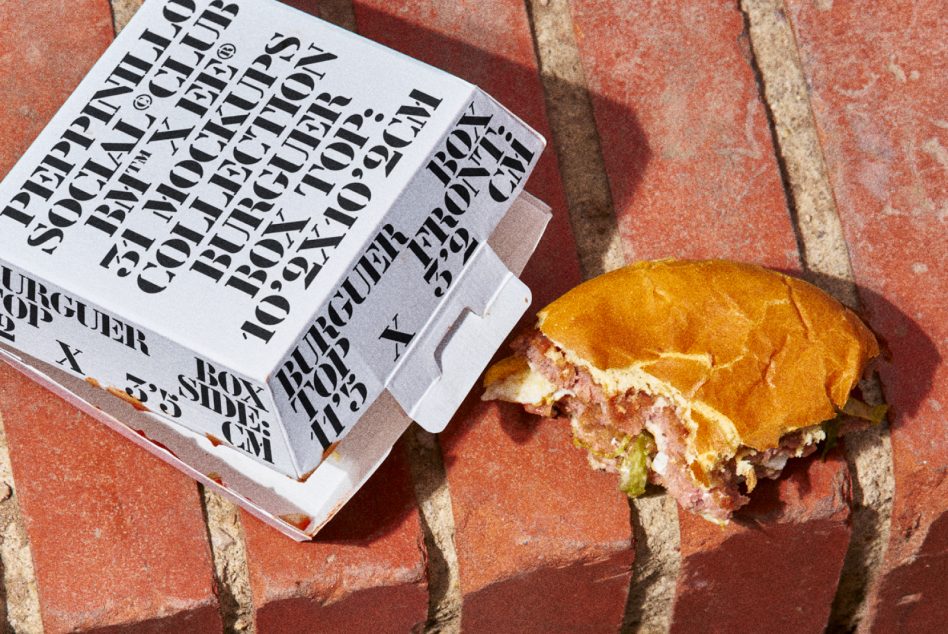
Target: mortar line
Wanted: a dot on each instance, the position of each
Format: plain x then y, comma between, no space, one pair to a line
657,564
339,12
426,465
782,168
122,12
653,519
430,482
826,261
116,27
225,535
20,605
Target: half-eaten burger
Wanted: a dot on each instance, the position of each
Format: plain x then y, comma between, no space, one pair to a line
701,376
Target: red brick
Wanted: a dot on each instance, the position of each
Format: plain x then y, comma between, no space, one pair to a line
45,50
117,536
527,507
684,133
878,84
912,595
365,572
797,527
526,504
693,173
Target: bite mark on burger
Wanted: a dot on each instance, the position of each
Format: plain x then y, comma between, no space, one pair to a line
701,376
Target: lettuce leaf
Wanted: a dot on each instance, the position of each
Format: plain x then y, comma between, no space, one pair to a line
831,429
855,407
633,469
631,455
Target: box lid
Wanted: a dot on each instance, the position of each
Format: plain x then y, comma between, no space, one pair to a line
274,219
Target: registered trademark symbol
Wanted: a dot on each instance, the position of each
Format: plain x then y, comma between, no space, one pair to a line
142,102
226,51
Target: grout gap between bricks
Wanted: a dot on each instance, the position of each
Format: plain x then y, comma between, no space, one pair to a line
427,470
819,233
826,262
575,138
122,12
20,606
657,564
527,545
229,553
339,12
437,520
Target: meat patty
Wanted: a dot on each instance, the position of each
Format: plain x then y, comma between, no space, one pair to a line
604,424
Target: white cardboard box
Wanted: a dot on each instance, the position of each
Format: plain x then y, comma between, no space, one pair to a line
260,230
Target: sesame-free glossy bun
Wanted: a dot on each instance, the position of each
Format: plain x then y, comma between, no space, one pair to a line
744,353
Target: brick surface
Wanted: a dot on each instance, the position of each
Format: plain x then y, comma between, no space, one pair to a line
364,573
693,173
878,81
684,133
117,536
797,527
53,41
533,521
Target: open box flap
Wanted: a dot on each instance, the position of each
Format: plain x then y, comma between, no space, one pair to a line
472,325
466,333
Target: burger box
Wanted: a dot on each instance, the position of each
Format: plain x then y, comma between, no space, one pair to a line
259,246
